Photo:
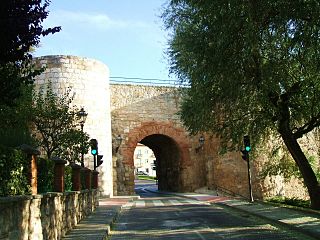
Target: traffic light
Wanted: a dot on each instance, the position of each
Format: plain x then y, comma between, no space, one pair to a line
246,141
247,148
94,146
99,160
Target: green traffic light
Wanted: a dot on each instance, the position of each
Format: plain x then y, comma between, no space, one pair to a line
248,148
93,151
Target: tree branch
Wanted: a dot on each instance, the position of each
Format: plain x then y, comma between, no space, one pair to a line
308,127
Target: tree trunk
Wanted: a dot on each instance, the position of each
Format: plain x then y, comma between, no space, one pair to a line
309,177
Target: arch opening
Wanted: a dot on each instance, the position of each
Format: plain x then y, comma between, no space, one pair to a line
168,160
144,161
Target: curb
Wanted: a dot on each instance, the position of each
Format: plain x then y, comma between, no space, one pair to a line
296,208
111,225
114,219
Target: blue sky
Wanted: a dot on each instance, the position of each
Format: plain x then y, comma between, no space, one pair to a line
126,35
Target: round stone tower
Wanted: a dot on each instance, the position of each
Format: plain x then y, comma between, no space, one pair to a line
89,80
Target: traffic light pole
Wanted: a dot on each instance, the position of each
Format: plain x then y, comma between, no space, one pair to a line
94,162
249,179
245,156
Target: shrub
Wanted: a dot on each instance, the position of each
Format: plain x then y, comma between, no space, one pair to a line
45,175
68,178
14,171
291,201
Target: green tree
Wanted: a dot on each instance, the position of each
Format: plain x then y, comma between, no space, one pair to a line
252,67
21,29
55,123
14,120
14,131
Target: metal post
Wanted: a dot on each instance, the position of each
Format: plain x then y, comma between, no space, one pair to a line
82,154
94,162
82,115
249,179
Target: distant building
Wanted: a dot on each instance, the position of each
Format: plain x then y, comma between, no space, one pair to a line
144,160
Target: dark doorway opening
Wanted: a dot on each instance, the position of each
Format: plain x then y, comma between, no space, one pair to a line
168,158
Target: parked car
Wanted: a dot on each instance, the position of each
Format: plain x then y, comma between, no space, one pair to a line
142,173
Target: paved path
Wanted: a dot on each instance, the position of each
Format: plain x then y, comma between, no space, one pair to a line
97,225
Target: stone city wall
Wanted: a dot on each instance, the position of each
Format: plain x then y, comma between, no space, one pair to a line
139,111
89,80
48,216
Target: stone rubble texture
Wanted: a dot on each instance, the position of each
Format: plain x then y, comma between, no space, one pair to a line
47,216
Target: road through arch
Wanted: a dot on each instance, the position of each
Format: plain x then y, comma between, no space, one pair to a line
171,148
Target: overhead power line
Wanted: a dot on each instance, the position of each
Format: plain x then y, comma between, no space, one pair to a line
145,81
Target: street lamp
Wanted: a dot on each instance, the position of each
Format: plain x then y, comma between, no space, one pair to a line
201,143
82,115
201,140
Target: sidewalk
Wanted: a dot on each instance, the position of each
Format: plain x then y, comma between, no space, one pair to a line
97,225
302,220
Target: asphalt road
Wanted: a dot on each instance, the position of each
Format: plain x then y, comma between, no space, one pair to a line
155,216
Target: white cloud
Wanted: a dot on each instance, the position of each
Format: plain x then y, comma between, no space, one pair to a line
98,21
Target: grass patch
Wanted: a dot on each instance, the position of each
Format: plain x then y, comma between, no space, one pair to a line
143,177
290,201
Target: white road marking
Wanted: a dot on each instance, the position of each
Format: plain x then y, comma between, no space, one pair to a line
158,203
128,205
140,204
192,202
175,202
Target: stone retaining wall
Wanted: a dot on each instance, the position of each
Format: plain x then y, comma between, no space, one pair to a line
47,216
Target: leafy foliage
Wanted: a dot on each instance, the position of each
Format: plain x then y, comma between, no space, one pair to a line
14,120
281,163
290,201
77,143
14,169
252,68
45,175
239,58
68,178
21,26
55,122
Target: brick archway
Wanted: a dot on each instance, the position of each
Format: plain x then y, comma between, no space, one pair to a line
170,145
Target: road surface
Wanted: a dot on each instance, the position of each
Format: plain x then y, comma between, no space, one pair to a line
156,216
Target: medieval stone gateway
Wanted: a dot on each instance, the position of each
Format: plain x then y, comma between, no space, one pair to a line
147,114
171,147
